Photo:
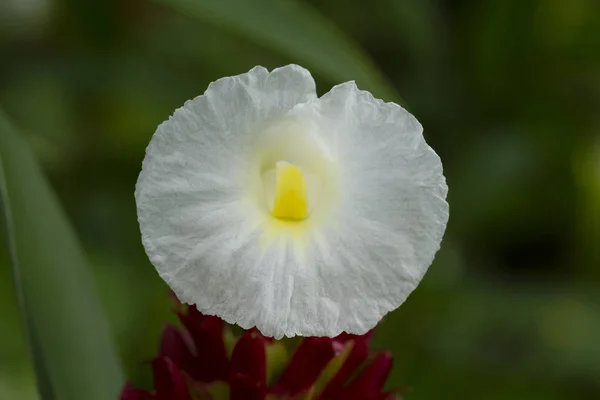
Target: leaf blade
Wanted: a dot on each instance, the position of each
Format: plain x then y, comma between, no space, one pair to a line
296,30
44,386
69,339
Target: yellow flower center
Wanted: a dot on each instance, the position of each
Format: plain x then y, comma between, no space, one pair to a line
291,202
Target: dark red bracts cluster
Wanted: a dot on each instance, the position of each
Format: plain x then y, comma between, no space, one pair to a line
194,364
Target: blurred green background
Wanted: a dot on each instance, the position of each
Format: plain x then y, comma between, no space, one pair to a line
508,92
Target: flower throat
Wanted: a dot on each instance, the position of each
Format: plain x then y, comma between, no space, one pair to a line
290,193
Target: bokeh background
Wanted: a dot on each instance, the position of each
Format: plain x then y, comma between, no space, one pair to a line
508,92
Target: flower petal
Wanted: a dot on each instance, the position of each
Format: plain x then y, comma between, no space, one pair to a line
382,235
363,255
191,197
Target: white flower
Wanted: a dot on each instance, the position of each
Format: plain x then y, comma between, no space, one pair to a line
267,206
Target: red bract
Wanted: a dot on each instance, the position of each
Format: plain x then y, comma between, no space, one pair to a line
131,393
169,383
368,385
209,357
309,359
248,375
193,363
177,346
358,355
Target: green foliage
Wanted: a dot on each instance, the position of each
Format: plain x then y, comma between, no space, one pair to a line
277,359
69,339
508,94
295,29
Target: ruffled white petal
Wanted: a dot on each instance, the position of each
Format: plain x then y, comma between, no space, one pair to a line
196,223
375,229
384,233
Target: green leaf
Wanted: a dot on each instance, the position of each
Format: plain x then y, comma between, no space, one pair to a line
277,360
218,390
69,338
295,30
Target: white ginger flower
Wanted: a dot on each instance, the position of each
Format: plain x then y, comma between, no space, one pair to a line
267,206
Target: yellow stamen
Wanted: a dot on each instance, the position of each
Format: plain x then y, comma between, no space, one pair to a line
290,193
